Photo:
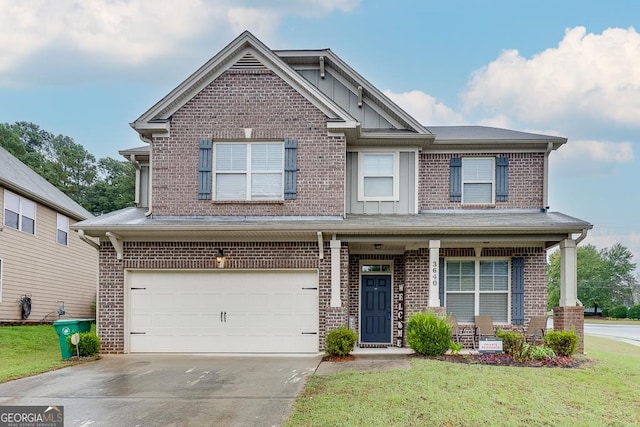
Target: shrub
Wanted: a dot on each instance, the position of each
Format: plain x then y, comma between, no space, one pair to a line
541,352
619,312
605,312
340,341
455,347
563,343
88,345
634,312
513,344
428,334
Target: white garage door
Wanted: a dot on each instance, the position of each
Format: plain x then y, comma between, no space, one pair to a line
227,312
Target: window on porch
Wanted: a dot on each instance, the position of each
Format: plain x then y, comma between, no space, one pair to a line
478,287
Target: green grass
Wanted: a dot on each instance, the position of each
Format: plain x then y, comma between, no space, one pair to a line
603,392
29,350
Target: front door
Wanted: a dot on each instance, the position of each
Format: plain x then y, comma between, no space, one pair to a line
375,306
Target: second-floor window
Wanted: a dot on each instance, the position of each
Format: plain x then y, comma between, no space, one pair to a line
62,228
378,176
19,213
478,180
248,171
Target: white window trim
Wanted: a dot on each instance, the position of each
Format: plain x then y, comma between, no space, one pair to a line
20,214
396,177
58,216
492,182
477,292
248,172
1,267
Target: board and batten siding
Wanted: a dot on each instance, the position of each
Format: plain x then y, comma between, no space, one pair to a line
50,272
407,197
347,100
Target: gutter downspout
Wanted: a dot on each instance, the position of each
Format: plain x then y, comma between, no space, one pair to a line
582,236
148,141
545,181
320,245
87,240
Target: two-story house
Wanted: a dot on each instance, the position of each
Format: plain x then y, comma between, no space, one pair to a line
281,195
46,270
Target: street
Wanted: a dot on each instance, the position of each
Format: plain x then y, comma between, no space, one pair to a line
626,333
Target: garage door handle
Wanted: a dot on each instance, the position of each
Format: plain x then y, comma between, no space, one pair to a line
309,333
137,333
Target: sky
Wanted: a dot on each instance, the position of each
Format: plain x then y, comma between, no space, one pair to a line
86,69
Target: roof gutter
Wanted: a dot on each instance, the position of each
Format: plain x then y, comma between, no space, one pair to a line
582,236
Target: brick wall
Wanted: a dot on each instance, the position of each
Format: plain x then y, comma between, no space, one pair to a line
110,304
566,318
526,172
260,100
200,255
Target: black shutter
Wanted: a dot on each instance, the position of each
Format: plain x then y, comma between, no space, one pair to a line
517,291
455,179
441,281
290,168
205,156
502,179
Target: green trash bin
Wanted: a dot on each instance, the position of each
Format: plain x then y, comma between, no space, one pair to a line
68,327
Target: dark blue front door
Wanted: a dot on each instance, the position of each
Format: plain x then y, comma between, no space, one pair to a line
375,306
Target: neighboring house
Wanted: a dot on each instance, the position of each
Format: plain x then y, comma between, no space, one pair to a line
39,256
282,195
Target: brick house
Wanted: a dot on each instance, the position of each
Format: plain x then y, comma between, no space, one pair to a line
280,195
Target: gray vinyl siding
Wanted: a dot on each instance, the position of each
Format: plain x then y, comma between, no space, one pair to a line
347,100
144,187
50,272
406,202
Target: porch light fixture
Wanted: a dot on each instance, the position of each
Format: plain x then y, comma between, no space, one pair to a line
220,258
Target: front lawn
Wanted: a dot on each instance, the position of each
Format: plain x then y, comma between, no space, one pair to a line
29,350
436,393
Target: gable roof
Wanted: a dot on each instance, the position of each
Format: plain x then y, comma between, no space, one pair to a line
299,59
246,48
22,180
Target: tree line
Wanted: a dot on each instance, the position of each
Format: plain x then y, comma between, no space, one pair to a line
605,277
100,186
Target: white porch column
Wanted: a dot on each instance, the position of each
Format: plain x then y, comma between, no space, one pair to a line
335,246
568,273
434,273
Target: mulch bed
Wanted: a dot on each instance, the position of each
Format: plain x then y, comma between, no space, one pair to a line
488,359
507,360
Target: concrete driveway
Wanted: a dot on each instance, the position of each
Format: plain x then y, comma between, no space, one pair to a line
169,390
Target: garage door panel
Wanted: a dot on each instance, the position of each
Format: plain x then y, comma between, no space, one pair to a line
231,311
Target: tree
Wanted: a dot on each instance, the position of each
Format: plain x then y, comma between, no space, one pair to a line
604,277
99,187
114,189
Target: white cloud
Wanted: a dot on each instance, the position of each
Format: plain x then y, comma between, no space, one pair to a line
116,34
592,157
591,76
425,108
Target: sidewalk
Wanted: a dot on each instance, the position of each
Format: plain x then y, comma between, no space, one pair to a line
369,359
